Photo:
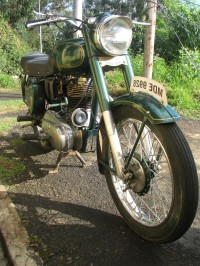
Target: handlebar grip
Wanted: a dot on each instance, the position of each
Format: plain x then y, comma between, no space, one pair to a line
33,23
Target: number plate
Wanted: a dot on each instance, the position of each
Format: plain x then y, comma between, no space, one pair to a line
151,87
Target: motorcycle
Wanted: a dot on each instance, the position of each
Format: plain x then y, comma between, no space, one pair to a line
148,165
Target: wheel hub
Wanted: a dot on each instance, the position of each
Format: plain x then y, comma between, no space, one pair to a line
141,176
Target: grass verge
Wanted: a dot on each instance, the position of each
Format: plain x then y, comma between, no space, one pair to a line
9,168
6,108
11,106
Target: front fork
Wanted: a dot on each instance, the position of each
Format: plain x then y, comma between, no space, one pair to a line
104,101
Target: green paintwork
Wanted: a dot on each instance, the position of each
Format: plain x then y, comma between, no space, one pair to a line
35,96
155,112
89,140
71,56
127,73
97,72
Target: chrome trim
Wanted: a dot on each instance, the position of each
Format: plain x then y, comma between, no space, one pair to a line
114,143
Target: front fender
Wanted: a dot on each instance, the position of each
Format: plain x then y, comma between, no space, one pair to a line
149,106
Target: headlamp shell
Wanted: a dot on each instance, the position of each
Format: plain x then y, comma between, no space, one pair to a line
113,34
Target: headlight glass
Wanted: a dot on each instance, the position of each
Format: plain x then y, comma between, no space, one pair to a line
113,35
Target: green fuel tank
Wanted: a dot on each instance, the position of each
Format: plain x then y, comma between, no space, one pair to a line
71,56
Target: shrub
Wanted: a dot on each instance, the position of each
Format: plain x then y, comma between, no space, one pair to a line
11,49
7,81
184,86
181,79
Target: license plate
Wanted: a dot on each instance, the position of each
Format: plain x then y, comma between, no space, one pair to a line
149,86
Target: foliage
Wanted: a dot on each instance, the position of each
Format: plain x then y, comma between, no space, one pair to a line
181,80
137,45
188,64
132,8
9,82
177,27
184,85
14,11
11,49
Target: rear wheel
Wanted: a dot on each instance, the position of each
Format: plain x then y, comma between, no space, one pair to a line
159,200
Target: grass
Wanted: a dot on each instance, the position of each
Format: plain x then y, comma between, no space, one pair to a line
8,106
10,90
16,142
181,81
6,124
9,168
9,83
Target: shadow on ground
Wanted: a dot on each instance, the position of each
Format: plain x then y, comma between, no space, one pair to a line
71,219
66,233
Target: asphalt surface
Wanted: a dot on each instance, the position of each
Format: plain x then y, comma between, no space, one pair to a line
7,96
71,219
3,260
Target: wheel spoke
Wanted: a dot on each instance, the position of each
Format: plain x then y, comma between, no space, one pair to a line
152,207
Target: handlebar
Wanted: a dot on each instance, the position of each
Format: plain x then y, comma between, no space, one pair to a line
39,22
141,23
72,21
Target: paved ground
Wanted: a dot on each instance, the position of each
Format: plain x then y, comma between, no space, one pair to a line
3,261
70,217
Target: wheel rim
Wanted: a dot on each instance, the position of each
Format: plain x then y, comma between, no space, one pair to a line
151,204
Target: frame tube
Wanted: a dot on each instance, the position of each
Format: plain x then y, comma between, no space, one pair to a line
104,102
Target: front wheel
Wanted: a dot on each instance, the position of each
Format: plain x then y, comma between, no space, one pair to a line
159,201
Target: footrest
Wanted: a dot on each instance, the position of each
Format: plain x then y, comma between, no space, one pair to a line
21,118
29,137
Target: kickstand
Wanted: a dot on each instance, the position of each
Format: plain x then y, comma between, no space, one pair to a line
65,154
80,158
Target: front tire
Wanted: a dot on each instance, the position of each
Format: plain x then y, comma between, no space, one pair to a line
162,203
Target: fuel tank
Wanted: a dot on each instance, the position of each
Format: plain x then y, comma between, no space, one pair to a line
71,56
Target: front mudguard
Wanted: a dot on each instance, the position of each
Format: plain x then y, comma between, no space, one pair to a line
149,106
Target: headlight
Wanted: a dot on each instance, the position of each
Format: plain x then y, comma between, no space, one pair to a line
113,34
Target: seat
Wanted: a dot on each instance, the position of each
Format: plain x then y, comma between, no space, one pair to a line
38,64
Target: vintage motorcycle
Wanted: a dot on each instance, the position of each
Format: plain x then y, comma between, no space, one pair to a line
149,168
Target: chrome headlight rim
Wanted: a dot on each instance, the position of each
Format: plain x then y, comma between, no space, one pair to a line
99,28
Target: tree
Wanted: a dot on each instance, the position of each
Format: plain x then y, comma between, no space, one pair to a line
14,11
177,27
133,8
11,49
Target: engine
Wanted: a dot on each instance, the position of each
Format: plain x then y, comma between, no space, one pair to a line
69,103
73,95
64,103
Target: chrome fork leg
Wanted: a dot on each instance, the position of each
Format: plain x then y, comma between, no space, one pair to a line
114,143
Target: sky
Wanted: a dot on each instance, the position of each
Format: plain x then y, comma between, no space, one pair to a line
194,1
